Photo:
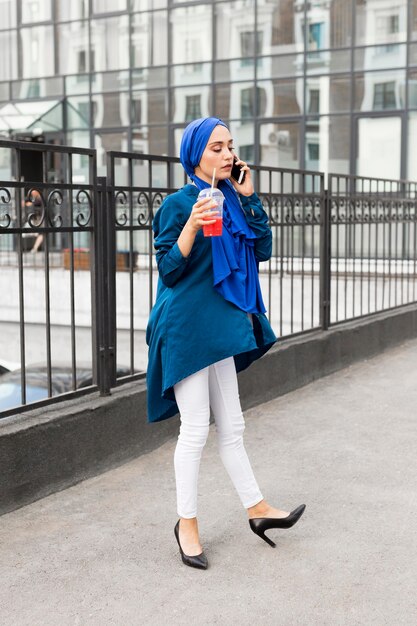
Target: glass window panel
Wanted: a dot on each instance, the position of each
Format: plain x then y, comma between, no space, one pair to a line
36,11
329,25
340,94
340,24
147,5
327,94
73,10
378,23
379,90
222,104
109,6
412,54
149,107
73,48
110,110
186,33
233,70
191,102
152,140
280,97
37,88
78,112
280,144
327,144
413,19
328,61
234,28
8,14
280,66
110,43
6,166
4,92
286,29
149,39
37,51
379,146
140,145
244,140
150,77
80,163
412,152
110,81
241,100
8,56
105,142
412,90
191,74
80,83
381,57
278,29
251,98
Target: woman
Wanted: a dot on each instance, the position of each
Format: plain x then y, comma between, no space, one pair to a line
208,323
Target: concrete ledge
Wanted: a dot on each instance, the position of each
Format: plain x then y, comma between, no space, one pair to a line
46,450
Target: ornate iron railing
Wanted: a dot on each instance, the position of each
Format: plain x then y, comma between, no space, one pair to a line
76,299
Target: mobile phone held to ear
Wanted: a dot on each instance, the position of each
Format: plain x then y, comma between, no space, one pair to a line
237,173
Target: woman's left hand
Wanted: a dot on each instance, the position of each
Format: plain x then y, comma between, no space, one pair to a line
245,188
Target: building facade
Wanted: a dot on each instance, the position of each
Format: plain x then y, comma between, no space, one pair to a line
325,84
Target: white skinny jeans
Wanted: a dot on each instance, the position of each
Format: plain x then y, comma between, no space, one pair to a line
216,387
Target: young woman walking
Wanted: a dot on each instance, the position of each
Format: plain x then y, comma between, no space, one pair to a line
208,323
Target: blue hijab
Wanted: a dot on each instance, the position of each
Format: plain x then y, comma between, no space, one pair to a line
235,267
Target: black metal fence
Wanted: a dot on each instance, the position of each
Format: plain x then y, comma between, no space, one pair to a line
76,298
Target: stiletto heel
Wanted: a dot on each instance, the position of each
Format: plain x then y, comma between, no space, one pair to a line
260,524
267,539
199,561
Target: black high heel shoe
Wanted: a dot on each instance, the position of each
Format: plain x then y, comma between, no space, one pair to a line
200,560
260,524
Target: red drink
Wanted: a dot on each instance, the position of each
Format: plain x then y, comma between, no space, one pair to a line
214,230
215,212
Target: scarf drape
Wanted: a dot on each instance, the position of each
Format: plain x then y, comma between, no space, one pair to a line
235,267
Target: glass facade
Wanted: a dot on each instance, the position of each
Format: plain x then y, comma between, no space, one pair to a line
328,85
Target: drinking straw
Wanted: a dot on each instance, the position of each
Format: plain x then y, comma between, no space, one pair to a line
212,182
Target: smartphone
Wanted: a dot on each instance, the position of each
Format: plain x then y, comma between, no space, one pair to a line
237,173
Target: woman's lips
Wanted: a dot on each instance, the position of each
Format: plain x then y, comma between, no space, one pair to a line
227,167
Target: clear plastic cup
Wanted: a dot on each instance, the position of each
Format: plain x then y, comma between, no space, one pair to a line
216,229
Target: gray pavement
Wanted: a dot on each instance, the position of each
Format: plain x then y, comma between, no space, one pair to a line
103,552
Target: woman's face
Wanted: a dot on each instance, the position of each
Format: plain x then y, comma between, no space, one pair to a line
218,154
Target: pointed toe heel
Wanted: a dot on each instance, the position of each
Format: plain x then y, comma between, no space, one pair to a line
260,524
199,560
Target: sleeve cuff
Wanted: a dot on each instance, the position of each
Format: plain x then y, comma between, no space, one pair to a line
251,204
176,257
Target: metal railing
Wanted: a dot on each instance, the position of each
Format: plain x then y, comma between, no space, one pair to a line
373,235
81,301
60,213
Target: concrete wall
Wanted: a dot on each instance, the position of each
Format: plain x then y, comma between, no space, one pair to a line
46,450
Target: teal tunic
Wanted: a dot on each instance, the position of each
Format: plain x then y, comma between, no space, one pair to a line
192,326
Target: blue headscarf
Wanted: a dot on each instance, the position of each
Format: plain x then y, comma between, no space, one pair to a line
235,268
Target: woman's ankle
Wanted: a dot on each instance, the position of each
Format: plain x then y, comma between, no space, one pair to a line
259,509
189,522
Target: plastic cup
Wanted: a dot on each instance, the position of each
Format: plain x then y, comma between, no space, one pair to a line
216,229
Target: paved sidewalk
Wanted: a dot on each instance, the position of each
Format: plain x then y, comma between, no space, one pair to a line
104,553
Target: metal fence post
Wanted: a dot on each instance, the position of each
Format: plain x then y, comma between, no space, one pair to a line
325,259
105,305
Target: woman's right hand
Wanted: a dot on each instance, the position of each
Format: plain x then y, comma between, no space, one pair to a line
198,217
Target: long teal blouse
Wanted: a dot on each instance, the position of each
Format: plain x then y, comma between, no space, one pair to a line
191,326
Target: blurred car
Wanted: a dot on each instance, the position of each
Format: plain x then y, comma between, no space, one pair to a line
37,383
